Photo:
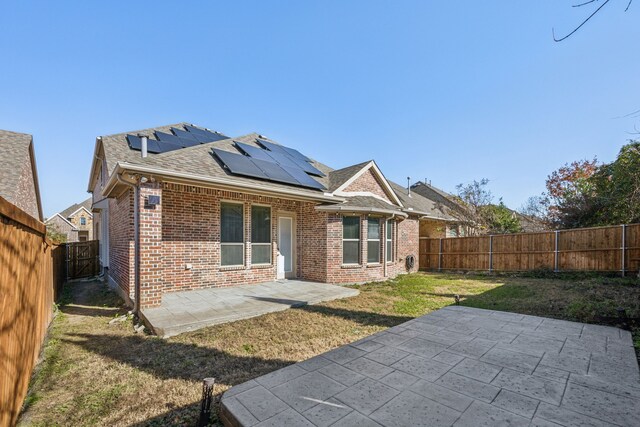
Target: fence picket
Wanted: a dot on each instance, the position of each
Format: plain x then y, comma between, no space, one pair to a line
606,249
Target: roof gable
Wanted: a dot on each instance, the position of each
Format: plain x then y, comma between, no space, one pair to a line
71,210
61,218
368,180
18,172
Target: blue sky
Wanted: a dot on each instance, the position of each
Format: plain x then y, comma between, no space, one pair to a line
448,91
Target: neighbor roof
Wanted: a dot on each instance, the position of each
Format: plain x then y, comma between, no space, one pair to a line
16,153
422,205
73,208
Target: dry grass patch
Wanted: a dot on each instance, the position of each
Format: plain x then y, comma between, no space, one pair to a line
94,373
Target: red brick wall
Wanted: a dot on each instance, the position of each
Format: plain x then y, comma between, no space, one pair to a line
406,242
369,183
121,244
26,198
191,235
151,255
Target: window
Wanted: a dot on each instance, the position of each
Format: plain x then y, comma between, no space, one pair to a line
373,240
83,220
260,235
231,234
351,240
389,238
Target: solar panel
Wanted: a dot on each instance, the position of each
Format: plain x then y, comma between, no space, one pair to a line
167,137
254,152
194,130
274,172
304,179
135,143
153,146
296,154
239,164
201,138
207,135
282,159
308,167
183,134
300,159
168,146
271,146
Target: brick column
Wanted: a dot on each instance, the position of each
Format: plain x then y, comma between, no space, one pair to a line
150,228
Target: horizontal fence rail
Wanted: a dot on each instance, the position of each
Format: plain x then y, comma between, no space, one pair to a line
32,272
604,249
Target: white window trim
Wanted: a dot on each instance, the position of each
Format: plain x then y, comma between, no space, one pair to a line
359,240
270,244
389,238
379,240
244,230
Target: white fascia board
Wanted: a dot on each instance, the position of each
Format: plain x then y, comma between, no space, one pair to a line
200,180
371,165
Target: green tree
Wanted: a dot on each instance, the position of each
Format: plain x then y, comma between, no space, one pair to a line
572,194
55,235
617,185
499,219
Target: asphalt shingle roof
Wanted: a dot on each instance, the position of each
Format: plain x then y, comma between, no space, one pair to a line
14,157
199,160
71,209
340,176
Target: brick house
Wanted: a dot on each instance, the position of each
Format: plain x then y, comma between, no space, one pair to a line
180,208
18,173
446,212
76,222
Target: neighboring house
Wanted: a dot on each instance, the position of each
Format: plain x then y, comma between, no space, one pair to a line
207,210
18,173
59,224
446,213
76,222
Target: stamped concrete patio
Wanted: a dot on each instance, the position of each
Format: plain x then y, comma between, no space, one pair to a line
457,366
190,310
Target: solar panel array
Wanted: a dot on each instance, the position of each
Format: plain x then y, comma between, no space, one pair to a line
273,162
177,139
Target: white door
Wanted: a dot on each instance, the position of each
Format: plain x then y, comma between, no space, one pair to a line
285,244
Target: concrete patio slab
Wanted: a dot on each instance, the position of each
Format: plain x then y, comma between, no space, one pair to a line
190,310
457,366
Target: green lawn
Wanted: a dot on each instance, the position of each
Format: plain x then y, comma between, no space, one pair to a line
94,373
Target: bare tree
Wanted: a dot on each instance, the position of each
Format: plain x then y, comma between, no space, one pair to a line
588,18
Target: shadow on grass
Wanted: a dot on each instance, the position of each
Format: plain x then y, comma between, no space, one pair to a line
175,360
361,317
186,415
79,310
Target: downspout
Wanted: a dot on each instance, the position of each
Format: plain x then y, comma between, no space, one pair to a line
136,241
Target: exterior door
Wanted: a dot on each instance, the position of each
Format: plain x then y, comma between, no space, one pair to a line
286,238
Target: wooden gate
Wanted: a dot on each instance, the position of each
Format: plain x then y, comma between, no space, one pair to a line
82,259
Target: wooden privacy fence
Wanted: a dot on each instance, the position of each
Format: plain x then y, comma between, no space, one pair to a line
82,259
606,249
31,276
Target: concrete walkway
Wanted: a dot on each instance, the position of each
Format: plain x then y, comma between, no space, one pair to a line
457,366
190,310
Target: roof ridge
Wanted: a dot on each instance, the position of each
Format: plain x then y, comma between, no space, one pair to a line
154,128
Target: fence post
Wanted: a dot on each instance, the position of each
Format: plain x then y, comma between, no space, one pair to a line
555,253
490,253
624,244
440,256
